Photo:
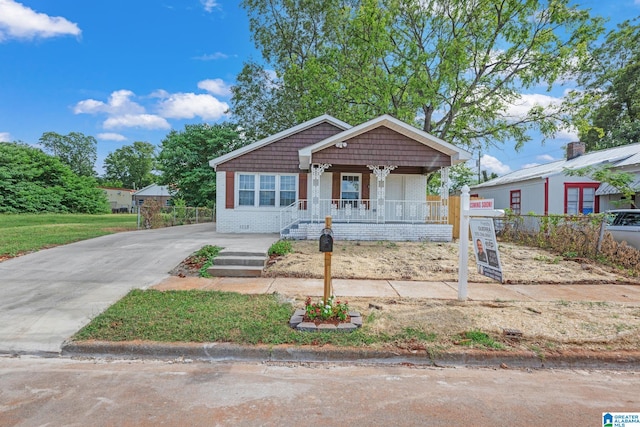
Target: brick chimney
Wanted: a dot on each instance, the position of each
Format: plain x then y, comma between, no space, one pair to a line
575,149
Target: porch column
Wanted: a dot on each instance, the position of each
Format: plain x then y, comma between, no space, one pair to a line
316,172
381,173
444,195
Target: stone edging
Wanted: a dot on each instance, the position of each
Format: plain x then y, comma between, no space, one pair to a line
296,322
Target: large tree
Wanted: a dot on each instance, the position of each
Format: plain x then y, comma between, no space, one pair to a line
33,181
76,150
184,160
132,165
608,104
452,67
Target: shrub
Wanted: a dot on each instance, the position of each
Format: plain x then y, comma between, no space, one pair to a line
280,248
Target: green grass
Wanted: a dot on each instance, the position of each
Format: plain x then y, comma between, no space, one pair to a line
30,232
478,339
212,316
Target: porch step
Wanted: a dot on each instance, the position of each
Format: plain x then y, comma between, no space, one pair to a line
255,261
238,264
234,271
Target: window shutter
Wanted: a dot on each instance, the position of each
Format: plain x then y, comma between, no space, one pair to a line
230,190
335,187
302,188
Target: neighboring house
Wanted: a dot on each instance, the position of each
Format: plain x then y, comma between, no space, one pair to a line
156,192
120,199
547,189
371,179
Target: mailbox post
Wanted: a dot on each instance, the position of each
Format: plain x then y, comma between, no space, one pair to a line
326,246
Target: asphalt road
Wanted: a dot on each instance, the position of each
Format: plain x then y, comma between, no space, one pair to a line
60,391
48,295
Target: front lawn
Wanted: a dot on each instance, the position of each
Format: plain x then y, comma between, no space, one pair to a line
21,233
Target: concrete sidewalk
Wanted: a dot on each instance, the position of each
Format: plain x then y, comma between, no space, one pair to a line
625,294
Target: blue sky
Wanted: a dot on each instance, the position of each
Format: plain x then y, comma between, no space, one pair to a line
125,71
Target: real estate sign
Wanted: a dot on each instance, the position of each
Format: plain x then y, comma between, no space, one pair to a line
485,247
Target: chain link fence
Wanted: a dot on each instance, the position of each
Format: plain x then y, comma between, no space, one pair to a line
153,215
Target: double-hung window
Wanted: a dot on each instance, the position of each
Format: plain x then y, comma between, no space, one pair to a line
265,190
580,198
516,201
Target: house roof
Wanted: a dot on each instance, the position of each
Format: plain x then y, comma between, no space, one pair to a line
457,154
278,136
618,156
153,190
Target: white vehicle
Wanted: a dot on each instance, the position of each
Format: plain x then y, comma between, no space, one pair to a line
624,226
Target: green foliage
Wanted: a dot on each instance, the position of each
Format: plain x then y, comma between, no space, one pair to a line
75,150
478,338
207,254
32,181
606,109
280,248
450,67
184,160
131,165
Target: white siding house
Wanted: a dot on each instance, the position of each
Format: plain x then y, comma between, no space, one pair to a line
548,189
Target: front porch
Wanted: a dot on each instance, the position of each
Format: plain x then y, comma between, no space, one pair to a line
363,219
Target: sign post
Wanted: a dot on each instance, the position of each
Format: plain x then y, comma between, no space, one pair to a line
327,265
483,209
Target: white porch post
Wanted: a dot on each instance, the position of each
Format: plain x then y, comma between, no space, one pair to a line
316,172
444,195
381,176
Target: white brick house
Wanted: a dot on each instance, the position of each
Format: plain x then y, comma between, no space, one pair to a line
371,179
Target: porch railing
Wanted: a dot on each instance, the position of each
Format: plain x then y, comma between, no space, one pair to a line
365,211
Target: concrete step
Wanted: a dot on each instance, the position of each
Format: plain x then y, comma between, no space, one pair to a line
235,271
254,261
243,254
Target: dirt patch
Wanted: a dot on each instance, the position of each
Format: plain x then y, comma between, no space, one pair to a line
429,261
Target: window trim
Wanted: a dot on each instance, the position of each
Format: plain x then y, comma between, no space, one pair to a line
512,193
257,189
357,175
580,186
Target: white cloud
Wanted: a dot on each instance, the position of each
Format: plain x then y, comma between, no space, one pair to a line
215,87
519,108
110,136
209,5
5,137
545,158
190,105
146,121
20,22
212,56
492,164
568,134
119,103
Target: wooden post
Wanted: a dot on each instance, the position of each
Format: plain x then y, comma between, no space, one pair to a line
327,266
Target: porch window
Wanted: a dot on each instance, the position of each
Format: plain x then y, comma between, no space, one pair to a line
350,189
580,198
515,202
266,190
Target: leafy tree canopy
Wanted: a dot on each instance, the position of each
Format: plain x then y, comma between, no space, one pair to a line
32,181
184,160
451,67
607,111
132,165
76,150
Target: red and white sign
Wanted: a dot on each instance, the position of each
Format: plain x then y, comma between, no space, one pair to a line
481,204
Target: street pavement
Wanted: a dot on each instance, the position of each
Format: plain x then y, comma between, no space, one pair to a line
49,295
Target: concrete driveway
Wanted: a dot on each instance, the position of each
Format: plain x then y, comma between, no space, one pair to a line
48,295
